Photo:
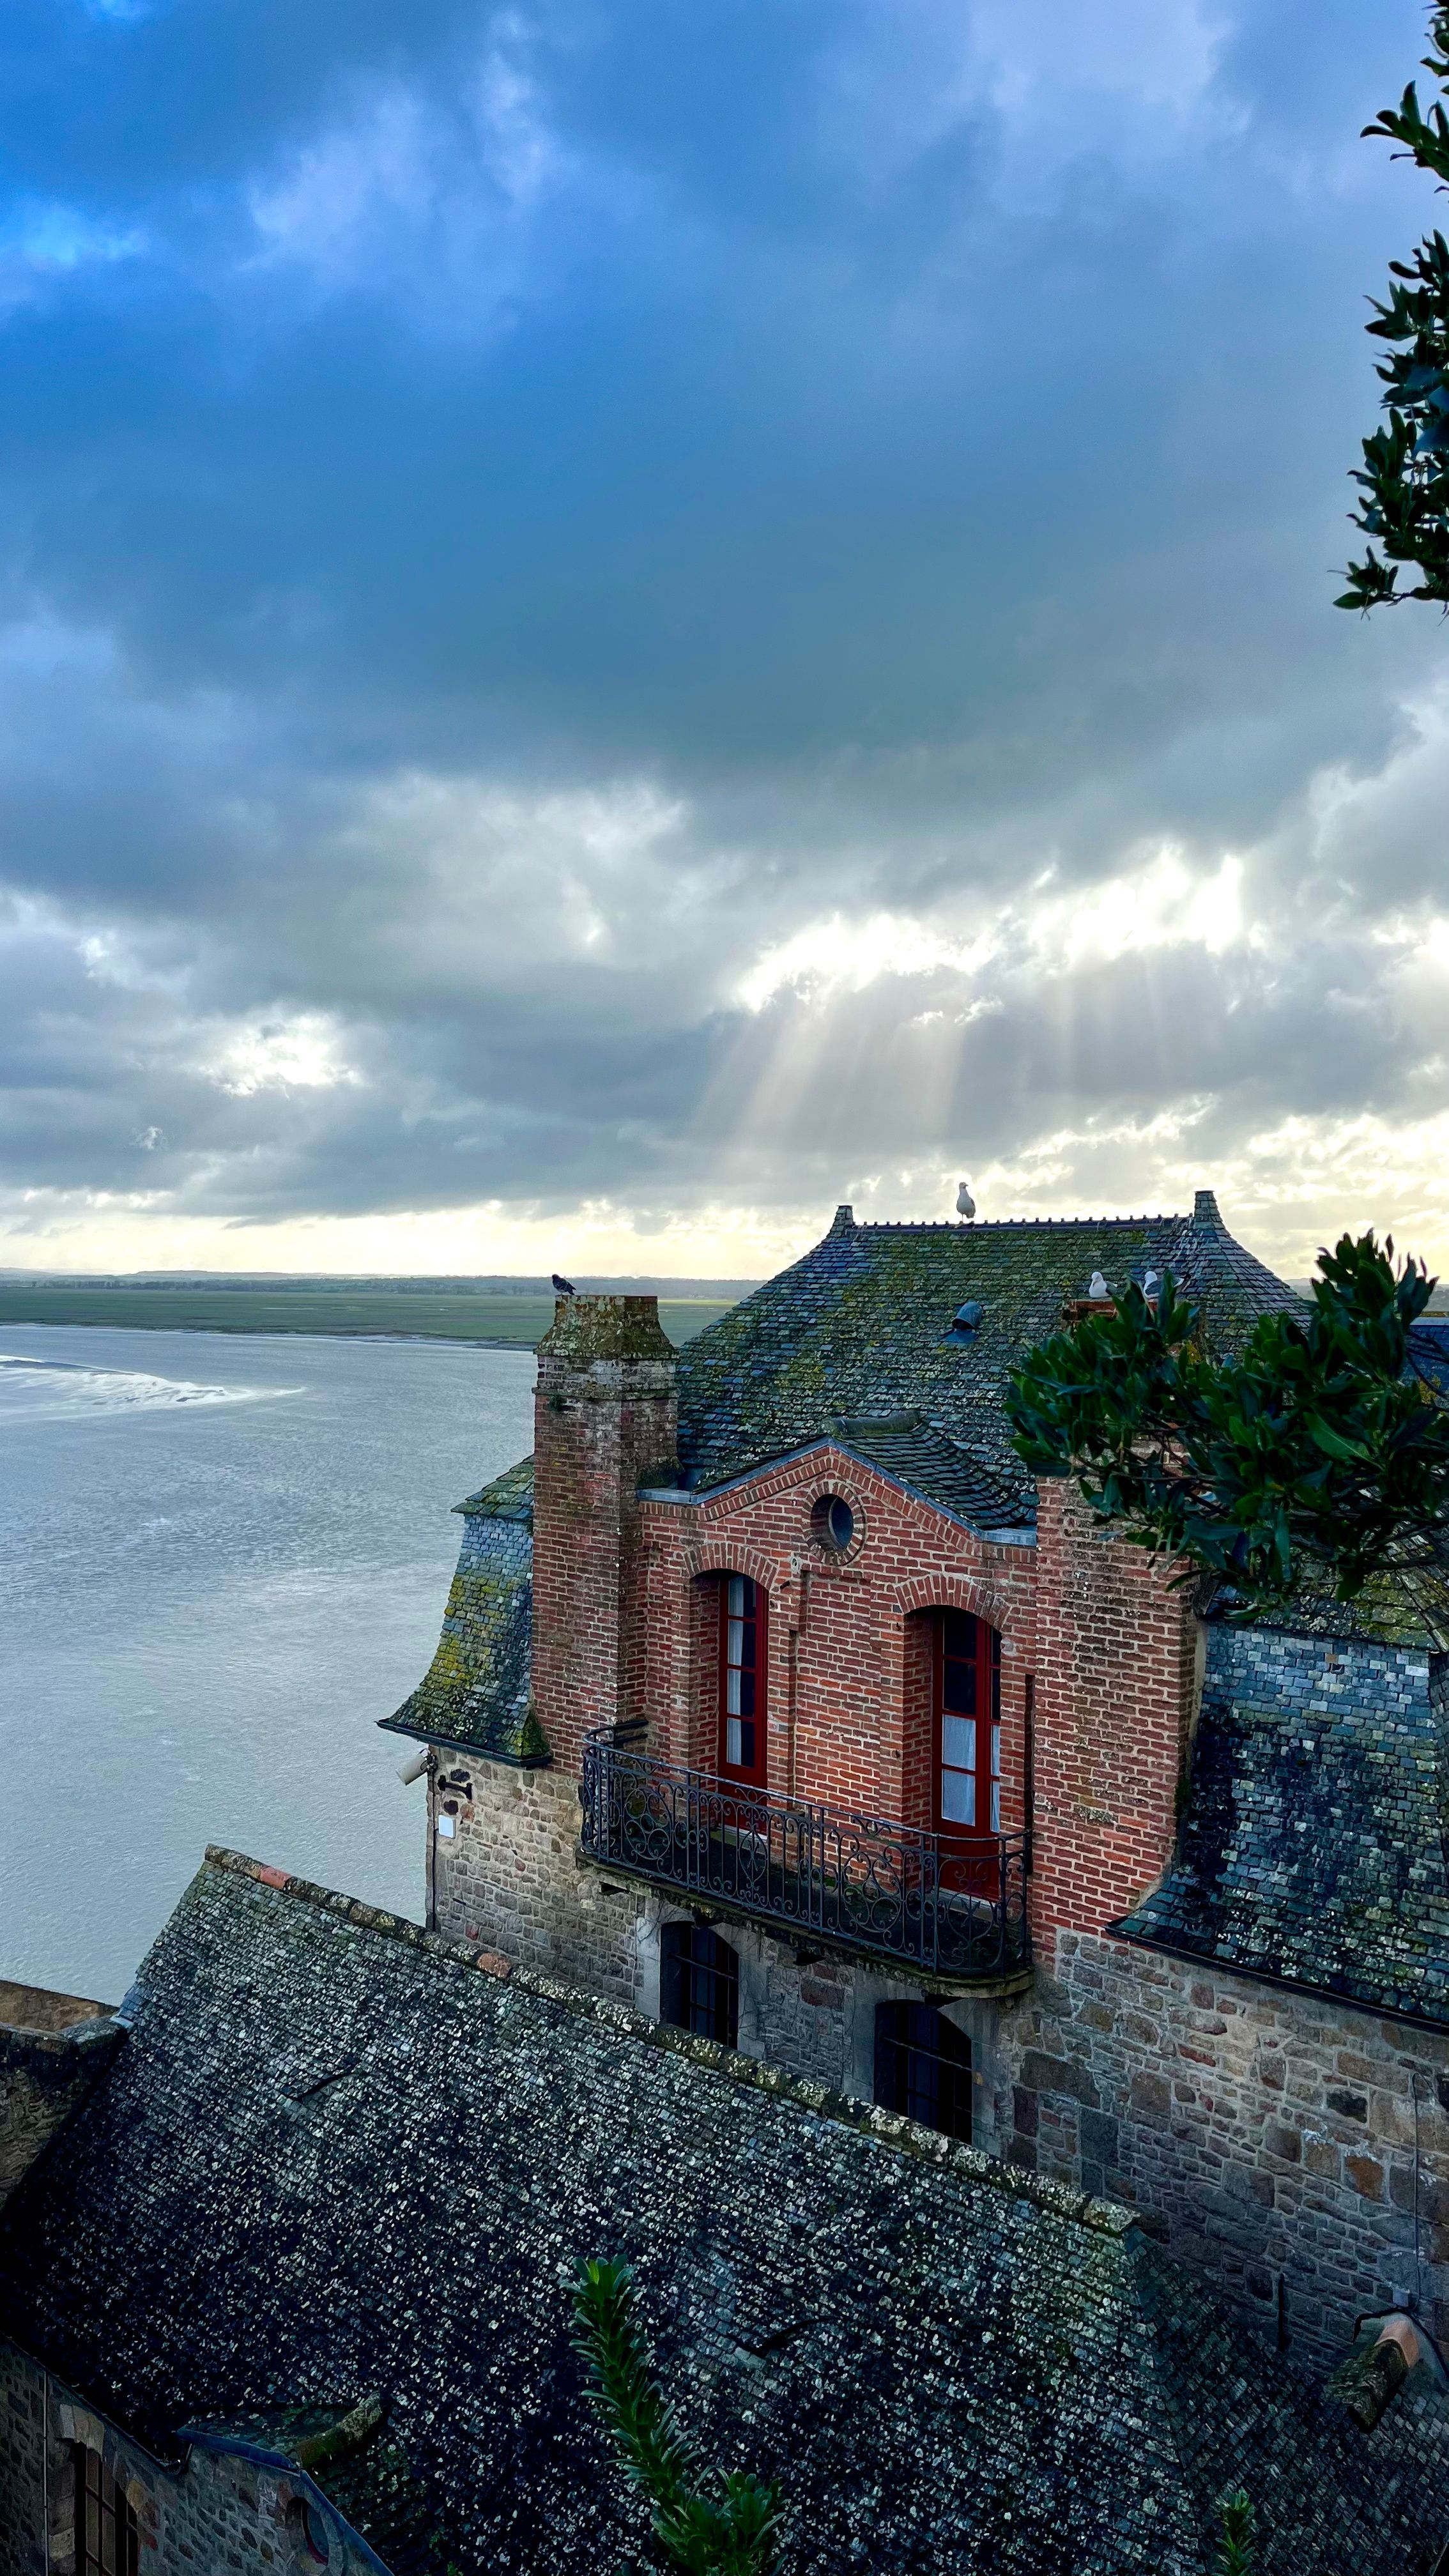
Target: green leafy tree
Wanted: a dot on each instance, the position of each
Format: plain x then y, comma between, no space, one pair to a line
706,2523
1317,1447
1404,485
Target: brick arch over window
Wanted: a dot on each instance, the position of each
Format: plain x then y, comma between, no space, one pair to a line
725,1557
958,1592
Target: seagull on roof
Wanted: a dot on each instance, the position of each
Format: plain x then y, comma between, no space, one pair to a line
965,1204
563,1287
1098,1286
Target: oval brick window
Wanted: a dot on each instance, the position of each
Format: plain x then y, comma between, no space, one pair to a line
832,1523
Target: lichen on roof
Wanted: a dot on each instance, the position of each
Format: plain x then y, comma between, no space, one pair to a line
925,1458
949,2366
1311,1846
477,1692
509,1497
864,1325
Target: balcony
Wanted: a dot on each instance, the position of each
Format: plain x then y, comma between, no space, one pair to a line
885,1891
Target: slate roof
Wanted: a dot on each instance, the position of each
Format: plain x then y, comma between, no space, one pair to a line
476,1695
1429,1342
336,2155
927,1460
1311,1846
865,1324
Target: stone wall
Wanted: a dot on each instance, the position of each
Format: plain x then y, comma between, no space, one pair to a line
217,2516
1267,2136
507,1875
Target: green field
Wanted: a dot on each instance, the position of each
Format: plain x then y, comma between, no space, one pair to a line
448,1317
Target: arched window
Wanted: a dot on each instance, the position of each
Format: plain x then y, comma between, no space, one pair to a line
107,2528
699,1983
967,1726
742,1647
923,2067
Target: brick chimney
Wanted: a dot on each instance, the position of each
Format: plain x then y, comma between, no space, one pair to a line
604,1423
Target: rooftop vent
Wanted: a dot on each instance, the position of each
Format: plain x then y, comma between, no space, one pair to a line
966,1321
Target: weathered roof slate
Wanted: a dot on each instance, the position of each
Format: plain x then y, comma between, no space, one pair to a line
477,1693
1311,1846
927,1460
336,2156
509,1497
863,1325
1429,1344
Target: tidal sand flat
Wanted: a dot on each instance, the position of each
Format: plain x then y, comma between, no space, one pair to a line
220,1560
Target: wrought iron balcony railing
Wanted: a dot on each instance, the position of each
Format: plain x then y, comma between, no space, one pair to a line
953,1909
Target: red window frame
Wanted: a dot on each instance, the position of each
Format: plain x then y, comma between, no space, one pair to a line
744,1621
966,1747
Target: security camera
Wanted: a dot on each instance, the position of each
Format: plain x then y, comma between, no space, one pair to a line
415,1769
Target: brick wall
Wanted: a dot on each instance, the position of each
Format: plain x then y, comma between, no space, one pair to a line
1117,1669
848,1681
604,1416
219,2516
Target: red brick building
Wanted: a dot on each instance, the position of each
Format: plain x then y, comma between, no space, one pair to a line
772,1700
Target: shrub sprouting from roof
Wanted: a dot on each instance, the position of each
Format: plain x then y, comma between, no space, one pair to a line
707,2523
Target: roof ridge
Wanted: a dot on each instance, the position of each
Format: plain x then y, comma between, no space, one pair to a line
890,2128
1003,1224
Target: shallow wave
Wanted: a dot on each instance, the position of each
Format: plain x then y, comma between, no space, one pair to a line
37,1389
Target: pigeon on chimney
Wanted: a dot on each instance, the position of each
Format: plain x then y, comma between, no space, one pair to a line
1098,1286
563,1287
965,1204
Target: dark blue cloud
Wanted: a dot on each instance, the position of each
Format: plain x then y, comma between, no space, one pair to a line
508,517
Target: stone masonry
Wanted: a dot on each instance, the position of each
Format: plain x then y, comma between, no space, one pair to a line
52,2048
1295,2149
216,2515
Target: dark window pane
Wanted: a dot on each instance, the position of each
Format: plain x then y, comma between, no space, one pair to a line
958,1686
699,1982
923,2067
108,2533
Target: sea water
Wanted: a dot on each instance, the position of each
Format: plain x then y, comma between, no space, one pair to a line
222,1559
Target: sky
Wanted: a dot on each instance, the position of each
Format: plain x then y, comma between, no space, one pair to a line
624,619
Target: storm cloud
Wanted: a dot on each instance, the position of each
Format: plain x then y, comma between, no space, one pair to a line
616,623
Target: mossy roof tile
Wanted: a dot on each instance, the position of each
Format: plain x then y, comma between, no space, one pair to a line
864,1325
982,2371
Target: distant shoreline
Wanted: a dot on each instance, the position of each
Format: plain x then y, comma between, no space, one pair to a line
482,1322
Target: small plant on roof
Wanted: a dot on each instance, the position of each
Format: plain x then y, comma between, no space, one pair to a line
1238,2547
1404,485
1316,1448
706,2522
